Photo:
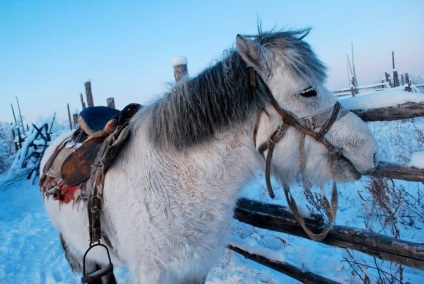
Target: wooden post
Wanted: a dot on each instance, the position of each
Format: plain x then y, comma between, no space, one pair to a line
14,140
82,101
13,111
395,73
19,138
395,78
69,117
20,115
110,102
180,67
75,119
388,79
89,94
408,83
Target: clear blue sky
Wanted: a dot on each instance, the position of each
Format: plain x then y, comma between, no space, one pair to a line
48,49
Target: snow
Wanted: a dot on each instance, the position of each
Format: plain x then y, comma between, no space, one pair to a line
386,98
179,60
417,160
30,250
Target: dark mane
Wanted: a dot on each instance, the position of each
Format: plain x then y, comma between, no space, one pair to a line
220,97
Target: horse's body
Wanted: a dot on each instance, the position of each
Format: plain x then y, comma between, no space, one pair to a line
169,197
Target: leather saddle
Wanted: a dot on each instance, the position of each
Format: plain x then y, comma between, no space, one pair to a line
74,157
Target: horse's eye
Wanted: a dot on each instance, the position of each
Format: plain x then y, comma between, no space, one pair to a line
308,92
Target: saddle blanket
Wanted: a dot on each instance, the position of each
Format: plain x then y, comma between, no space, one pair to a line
58,190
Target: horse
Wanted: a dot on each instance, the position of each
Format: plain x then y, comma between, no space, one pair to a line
169,196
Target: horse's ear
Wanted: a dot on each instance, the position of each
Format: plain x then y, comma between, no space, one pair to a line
251,52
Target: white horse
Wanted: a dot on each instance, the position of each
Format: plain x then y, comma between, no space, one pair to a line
169,196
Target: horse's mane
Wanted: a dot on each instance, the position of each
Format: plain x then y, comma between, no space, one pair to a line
220,97
300,60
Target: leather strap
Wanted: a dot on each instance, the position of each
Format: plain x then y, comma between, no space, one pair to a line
289,120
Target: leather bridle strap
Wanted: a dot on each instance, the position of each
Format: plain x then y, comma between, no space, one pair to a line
289,120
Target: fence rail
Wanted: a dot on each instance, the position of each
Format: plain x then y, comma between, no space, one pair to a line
276,218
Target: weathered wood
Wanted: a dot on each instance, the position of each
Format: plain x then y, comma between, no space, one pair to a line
180,67
110,102
89,94
69,117
284,267
13,111
75,119
20,115
276,218
82,101
180,71
403,111
395,171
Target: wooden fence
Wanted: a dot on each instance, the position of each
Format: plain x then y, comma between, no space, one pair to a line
277,218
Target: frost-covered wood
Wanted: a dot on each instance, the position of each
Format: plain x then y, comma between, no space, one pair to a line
283,267
402,111
396,171
276,218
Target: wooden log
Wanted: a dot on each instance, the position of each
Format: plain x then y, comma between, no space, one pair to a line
403,111
284,267
396,171
276,218
89,94
110,102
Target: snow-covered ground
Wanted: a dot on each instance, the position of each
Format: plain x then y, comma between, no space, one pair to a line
30,251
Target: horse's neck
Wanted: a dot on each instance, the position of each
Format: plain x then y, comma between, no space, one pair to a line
221,165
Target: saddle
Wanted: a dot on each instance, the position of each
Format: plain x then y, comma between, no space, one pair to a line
102,133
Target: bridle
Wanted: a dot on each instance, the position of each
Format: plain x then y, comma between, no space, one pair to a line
290,120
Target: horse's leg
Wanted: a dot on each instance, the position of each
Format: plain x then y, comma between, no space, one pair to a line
90,266
74,261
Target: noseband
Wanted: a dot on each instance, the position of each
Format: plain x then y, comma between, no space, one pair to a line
290,120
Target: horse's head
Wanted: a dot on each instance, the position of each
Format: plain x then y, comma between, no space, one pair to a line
293,78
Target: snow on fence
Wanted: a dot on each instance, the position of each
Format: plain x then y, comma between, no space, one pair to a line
374,88
28,158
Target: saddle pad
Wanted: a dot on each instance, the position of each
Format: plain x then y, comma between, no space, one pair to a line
77,167
97,117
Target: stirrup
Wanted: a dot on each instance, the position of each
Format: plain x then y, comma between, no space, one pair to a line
99,273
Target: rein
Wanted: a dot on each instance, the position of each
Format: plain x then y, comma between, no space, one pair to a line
289,120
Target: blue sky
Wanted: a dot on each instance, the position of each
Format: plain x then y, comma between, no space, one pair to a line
48,49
